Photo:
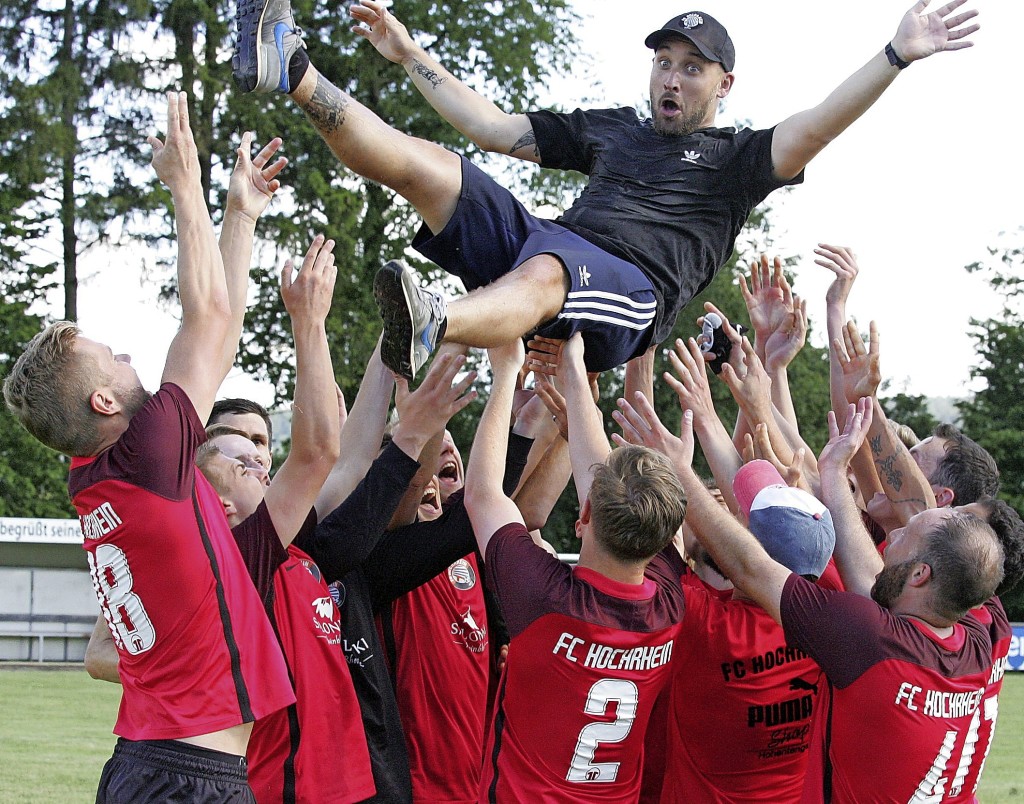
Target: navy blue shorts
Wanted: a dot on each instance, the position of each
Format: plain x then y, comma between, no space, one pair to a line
491,233
170,770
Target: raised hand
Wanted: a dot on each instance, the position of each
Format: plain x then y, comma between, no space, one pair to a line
254,178
921,35
749,383
553,400
841,261
843,444
382,30
788,338
543,355
691,387
507,357
641,426
861,366
307,296
176,159
425,411
769,298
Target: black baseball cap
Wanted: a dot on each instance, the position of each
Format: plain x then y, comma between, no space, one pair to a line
707,33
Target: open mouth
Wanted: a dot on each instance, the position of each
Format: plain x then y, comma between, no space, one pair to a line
668,107
449,472
431,498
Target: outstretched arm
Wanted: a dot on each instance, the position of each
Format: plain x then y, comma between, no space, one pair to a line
856,557
315,421
488,506
361,436
195,360
588,444
472,114
799,138
252,186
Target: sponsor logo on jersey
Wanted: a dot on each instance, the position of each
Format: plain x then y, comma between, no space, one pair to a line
461,575
314,570
337,590
469,633
326,621
356,651
99,521
691,157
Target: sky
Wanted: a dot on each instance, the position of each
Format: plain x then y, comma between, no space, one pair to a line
919,187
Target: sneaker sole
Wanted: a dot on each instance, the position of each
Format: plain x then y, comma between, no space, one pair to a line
253,37
396,349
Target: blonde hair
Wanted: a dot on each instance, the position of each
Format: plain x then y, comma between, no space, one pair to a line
637,503
48,390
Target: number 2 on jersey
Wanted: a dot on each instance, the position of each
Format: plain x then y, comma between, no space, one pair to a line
127,617
625,695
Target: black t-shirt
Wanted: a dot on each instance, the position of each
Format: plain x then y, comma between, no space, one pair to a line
672,206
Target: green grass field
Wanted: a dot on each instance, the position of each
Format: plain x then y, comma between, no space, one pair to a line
55,737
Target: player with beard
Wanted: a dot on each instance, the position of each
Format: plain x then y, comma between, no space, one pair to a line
198,660
666,199
906,667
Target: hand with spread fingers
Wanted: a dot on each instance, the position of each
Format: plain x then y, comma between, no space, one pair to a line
861,366
641,426
254,178
759,447
382,30
920,35
690,382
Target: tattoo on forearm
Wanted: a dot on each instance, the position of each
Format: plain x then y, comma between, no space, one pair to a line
893,475
430,76
326,109
876,445
528,139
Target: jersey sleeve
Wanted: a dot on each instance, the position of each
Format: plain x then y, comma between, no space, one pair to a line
753,171
825,623
157,451
261,550
409,556
567,141
349,533
524,576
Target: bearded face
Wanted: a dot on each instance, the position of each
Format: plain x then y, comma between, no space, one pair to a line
890,582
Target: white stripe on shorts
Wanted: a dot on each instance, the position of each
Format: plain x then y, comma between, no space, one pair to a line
608,320
625,301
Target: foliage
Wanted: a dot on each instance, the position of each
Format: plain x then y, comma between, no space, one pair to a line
70,87
911,410
32,477
994,417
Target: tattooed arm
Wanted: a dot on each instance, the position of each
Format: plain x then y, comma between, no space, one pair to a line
904,483
472,114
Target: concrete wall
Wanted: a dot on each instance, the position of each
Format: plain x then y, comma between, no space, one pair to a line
36,600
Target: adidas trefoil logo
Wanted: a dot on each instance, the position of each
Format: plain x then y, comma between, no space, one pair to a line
691,156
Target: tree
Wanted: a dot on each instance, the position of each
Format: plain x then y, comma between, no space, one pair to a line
33,478
509,62
994,416
68,134
911,410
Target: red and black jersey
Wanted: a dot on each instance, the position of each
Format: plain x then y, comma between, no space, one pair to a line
288,750
994,618
442,673
893,684
587,660
196,651
739,722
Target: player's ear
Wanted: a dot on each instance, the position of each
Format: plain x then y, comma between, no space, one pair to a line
943,496
104,402
585,511
921,574
725,85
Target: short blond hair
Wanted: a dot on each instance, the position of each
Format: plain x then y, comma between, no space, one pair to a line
48,390
637,503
